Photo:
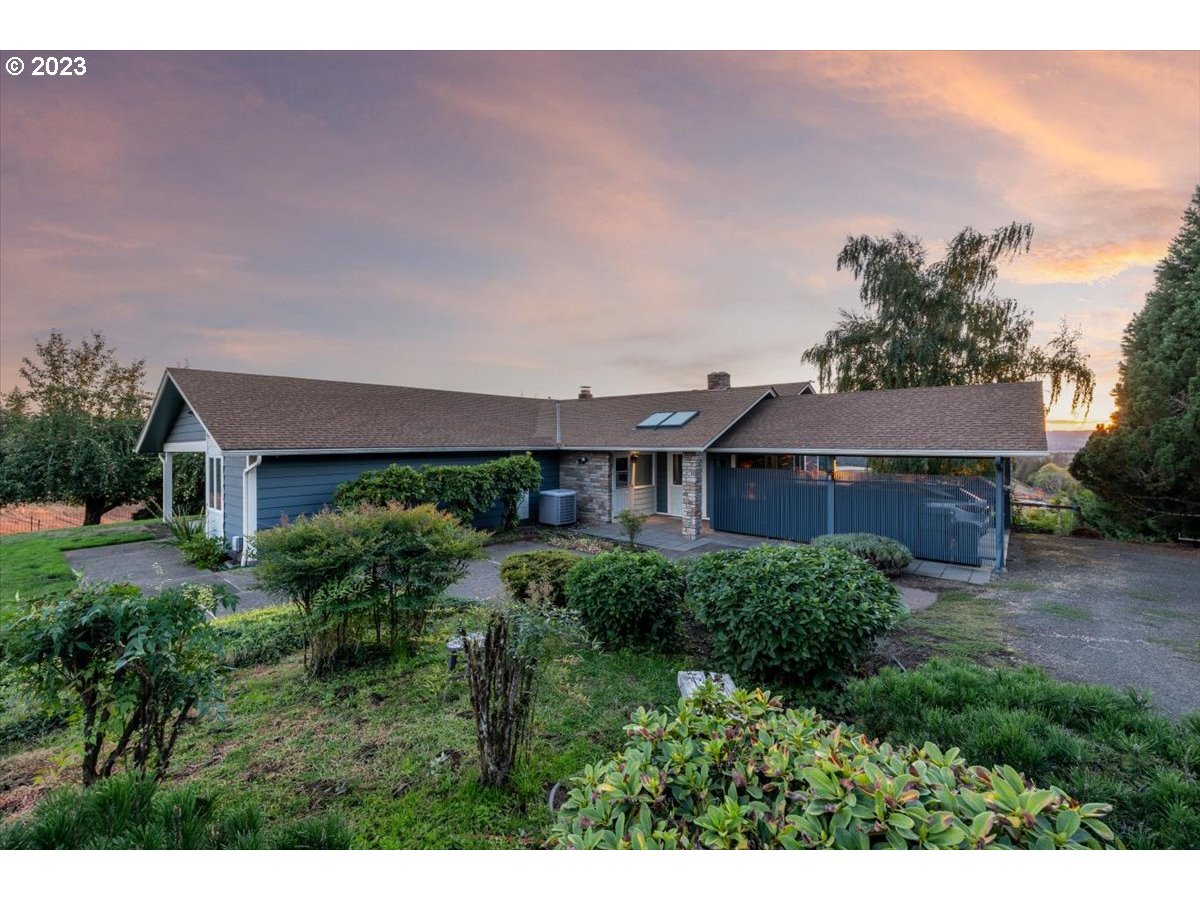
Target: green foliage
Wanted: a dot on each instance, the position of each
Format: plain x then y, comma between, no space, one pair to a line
1087,739
68,434
129,812
34,563
1145,464
204,552
887,555
743,772
632,523
132,666
260,636
926,324
790,614
539,574
469,492
363,576
184,528
627,599
379,487
1053,479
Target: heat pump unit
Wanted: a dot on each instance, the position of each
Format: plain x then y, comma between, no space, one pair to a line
556,507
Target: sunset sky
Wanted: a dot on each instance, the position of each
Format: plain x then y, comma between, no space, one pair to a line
526,223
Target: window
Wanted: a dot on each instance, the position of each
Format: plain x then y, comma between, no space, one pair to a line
653,420
216,482
621,472
643,471
677,468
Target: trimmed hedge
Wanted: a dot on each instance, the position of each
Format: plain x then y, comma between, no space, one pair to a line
790,614
743,772
538,572
627,599
888,556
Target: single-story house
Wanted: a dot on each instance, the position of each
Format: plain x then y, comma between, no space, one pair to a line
758,460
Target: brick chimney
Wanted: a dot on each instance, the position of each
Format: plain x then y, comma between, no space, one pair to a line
718,381
585,392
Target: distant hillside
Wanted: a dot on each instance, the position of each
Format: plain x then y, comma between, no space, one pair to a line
1066,441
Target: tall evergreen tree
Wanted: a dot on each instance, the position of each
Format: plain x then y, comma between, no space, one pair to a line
1146,464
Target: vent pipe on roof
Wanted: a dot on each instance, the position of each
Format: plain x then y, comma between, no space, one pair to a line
585,392
718,381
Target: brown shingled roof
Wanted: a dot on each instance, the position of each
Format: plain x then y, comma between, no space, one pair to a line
959,420
266,412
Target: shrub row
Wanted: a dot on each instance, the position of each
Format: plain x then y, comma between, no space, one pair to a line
743,772
467,491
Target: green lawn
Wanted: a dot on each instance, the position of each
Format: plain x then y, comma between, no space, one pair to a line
32,563
378,745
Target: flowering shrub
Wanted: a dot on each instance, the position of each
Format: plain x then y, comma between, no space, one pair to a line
743,772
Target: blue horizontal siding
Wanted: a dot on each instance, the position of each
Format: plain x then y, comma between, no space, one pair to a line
186,428
303,485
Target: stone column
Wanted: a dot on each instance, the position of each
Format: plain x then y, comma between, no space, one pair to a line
693,495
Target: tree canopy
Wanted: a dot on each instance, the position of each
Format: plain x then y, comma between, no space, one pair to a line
67,435
1146,464
925,324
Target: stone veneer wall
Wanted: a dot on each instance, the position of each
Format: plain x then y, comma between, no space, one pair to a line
591,480
693,509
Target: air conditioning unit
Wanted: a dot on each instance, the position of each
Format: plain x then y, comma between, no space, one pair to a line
556,507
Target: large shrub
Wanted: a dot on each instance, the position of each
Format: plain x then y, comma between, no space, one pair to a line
887,555
790,613
365,576
132,667
627,599
470,492
743,772
127,812
538,574
1087,739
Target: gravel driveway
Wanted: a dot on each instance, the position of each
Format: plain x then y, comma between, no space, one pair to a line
1107,612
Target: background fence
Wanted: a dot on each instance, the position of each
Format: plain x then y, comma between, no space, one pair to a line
950,518
45,517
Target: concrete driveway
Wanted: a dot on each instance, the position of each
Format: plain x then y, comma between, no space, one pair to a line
1107,612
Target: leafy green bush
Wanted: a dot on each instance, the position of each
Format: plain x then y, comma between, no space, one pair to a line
127,812
203,552
743,772
23,716
1087,739
379,487
887,555
132,666
470,492
260,636
627,599
184,528
790,613
539,574
632,523
363,576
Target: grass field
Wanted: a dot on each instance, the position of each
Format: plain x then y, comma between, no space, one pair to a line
34,562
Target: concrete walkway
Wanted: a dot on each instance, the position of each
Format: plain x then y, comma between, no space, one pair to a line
154,565
663,533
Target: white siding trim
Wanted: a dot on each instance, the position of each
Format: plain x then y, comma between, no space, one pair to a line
186,447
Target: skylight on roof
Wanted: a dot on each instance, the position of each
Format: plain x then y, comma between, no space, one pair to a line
667,419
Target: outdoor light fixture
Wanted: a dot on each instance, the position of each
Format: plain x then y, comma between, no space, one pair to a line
583,460
633,455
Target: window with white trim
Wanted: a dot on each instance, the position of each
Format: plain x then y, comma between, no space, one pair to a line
216,482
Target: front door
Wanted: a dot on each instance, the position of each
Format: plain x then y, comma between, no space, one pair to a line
675,484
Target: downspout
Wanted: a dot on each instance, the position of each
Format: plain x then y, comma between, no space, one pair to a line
558,423
250,467
999,513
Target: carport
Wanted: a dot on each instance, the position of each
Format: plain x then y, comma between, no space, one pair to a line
776,474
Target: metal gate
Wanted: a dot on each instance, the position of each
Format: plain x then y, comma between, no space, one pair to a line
948,518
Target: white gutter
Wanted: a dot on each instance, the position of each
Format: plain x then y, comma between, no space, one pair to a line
246,504
879,451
